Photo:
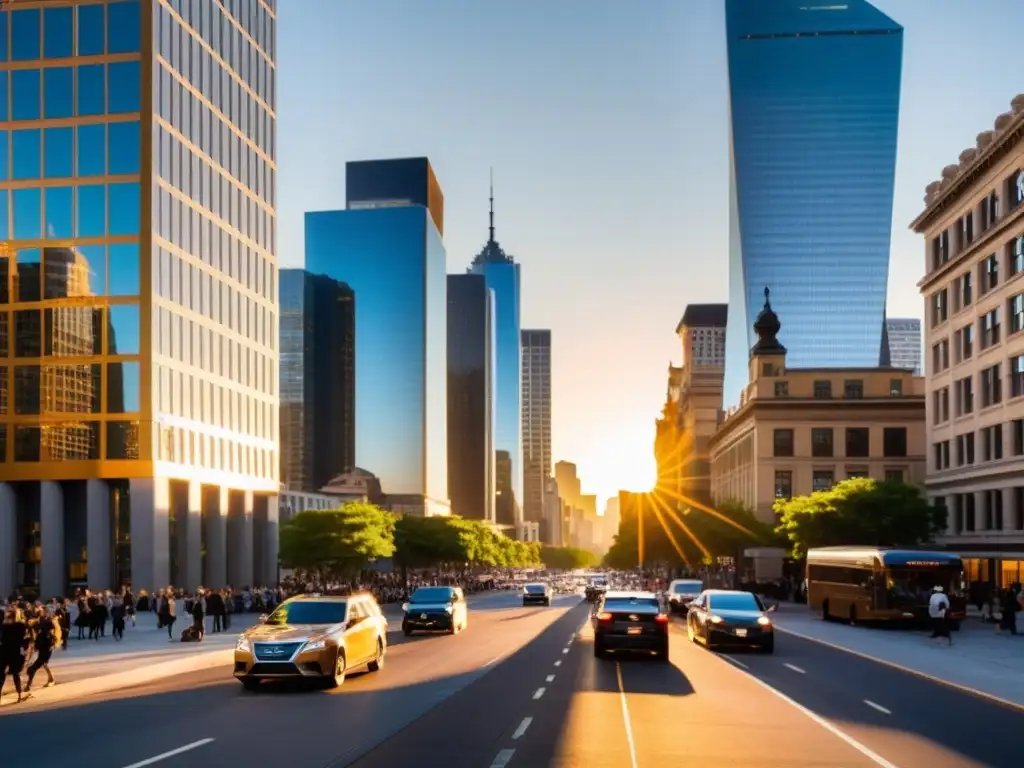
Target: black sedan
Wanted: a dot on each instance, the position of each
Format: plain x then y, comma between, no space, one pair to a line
536,594
727,618
631,621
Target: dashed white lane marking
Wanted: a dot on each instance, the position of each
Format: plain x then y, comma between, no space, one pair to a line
522,728
879,707
872,756
538,693
496,658
549,679
565,650
172,753
625,716
558,663
502,759
795,668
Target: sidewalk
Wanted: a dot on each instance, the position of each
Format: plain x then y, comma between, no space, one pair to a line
979,660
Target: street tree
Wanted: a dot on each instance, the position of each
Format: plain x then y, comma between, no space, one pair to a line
337,543
568,558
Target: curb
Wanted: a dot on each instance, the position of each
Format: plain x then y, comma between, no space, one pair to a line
909,670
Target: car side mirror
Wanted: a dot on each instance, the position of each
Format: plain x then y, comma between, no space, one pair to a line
262,618
772,609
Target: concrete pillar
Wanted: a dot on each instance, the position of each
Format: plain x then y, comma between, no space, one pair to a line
53,576
150,529
189,519
240,565
215,512
265,542
99,536
8,540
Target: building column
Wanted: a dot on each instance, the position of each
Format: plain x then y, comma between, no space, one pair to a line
215,515
99,536
265,542
150,503
189,519
53,569
8,540
240,561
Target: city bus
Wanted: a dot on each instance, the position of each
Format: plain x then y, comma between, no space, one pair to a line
882,584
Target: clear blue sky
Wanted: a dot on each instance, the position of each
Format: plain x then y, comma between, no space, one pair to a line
605,121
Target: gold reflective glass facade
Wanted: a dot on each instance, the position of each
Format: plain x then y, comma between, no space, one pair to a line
138,279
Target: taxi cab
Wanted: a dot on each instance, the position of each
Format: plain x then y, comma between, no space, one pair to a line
314,637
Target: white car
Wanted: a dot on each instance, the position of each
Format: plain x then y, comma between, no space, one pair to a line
681,592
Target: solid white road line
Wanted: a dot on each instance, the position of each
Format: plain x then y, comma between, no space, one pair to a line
625,716
496,658
503,758
522,728
558,663
549,679
872,756
795,668
879,707
538,693
738,663
172,753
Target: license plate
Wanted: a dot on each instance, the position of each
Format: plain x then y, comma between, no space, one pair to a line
741,633
634,630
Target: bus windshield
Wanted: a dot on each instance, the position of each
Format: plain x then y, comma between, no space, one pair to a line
916,584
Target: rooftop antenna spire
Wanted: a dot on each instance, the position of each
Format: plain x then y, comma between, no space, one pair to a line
492,206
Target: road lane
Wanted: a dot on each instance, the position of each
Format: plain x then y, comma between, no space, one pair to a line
308,727
905,718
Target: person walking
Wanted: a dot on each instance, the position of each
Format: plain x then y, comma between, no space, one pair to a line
938,610
13,647
47,637
167,612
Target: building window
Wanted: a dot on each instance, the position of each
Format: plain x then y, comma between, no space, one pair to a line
782,389
1017,376
822,480
991,389
851,474
939,307
783,485
990,328
964,343
821,442
966,289
1016,249
1015,306
894,475
965,449
940,405
858,442
895,387
967,229
989,210
894,442
989,273
964,393
1017,435
940,250
992,443
783,443
853,389
823,390
941,450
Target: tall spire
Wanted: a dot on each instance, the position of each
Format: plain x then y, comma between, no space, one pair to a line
491,239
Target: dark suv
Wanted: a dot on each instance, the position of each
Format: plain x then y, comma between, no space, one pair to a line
631,621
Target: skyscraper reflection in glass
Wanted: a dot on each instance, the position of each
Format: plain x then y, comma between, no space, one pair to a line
394,261
814,110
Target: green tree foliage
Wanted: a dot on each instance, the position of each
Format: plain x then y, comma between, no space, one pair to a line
337,542
860,511
568,558
424,542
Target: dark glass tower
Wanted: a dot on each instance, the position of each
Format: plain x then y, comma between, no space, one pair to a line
318,431
814,110
397,182
471,397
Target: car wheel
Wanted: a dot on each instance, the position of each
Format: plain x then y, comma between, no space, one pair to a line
547,603
598,651
250,683
378,662
406,629
707,640
335,680
690,633
769,646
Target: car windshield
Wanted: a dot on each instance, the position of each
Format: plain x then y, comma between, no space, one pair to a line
432,595
630,603
688,588
740,602
535,589
309,612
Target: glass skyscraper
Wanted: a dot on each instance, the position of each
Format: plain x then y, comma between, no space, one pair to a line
814,111
393,260
138,320
502,275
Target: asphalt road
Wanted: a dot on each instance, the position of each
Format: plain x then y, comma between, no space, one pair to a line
521,689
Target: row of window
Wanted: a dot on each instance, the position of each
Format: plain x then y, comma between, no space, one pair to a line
824,479
57,273
857,441
63,213
70,331
989,333
96,149
191,396
71,441
853,389
64,31
990,390
56,389
985,511
58,93
962,451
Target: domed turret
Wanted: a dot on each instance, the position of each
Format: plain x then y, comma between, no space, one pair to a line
767,327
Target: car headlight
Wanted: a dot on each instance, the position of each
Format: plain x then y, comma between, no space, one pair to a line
243,644
449,609
764,621
405,607
314,645
717,619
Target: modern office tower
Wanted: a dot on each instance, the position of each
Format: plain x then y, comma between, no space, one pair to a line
502,274
504,502
536,420
394,261
814,111
318,387
904,343
471,461
390,183
138,296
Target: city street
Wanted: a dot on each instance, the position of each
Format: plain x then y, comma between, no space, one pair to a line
521,688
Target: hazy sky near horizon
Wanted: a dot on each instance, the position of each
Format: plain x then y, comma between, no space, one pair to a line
606,124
